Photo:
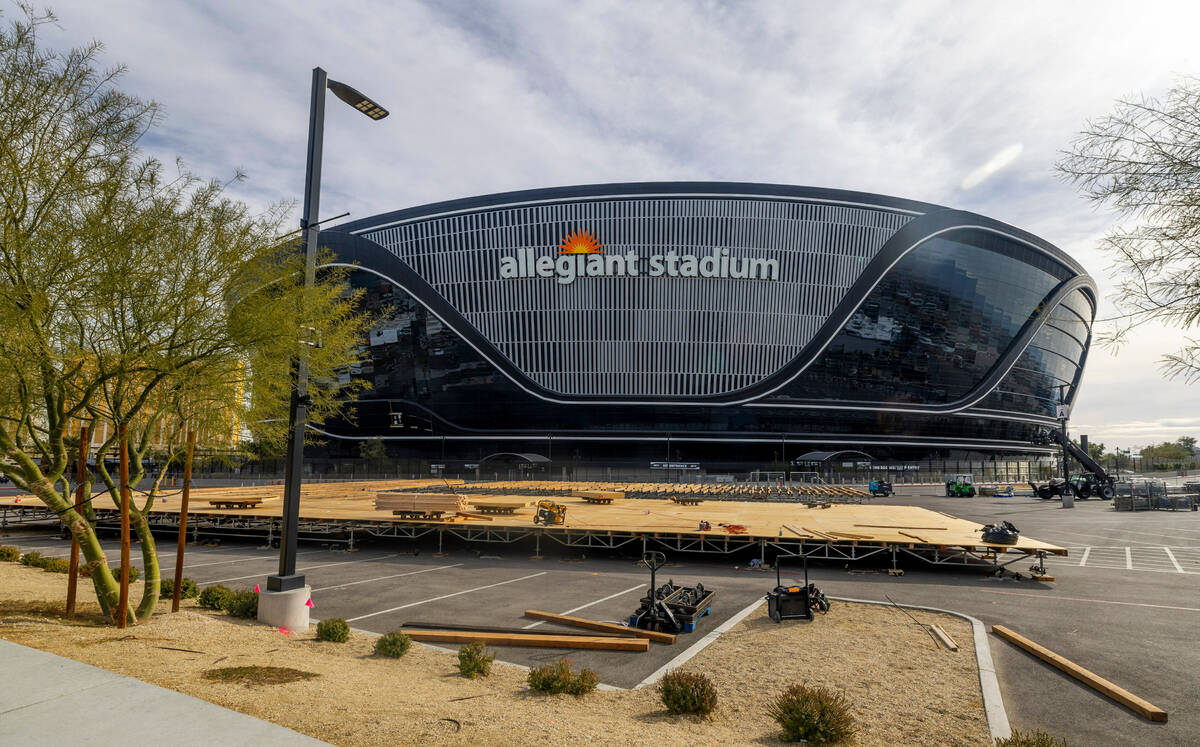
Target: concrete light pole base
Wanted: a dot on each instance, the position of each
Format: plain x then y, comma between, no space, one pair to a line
285,609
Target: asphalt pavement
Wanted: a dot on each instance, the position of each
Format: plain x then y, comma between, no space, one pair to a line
1125,602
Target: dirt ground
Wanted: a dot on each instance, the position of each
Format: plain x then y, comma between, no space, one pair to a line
903,688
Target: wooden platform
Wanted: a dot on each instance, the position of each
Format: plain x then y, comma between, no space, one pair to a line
906,526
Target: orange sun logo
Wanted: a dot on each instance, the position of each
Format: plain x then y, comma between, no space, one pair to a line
580,242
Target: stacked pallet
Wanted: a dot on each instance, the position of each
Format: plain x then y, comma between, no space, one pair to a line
420,503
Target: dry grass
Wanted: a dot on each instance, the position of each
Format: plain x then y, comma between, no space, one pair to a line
256,675
901,689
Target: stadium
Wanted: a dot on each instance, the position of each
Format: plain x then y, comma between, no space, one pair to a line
724,326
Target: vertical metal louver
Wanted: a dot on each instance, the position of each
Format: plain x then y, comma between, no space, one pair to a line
648,336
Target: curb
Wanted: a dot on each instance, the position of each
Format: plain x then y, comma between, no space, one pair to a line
699,645
993,701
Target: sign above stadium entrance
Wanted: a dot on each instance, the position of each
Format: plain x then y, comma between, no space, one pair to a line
581,255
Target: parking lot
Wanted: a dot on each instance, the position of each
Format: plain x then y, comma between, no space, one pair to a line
1125,602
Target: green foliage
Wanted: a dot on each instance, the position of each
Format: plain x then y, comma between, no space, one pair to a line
1037,738
242,604
688,692
94,329
474,661
813,714
135,573
57,565
557,677
335,630
393,645
187,588
372,450
33,559
215,597
10,554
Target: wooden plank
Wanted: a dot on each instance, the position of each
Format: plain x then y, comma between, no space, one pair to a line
796,531
944,637
895,526
918,539
469,515
1091,679
497,629
822,535
536,640
582,622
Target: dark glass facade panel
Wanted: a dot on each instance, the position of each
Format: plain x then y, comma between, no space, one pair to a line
1052,359
428,382
934,325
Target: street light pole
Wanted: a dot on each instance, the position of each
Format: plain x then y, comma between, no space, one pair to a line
288,579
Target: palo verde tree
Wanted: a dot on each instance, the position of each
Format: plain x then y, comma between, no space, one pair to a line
132,297
1143,159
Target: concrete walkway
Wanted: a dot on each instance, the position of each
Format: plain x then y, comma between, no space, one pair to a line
48,700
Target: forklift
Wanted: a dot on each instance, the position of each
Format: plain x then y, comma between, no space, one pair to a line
549,512
880,488
794,602
1095,481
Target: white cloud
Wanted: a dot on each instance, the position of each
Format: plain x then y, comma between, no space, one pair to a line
997,162
898,98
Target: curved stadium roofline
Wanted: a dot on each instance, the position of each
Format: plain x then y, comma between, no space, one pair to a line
615,190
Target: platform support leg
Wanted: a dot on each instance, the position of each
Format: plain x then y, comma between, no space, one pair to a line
762,552
894,567
440,533
270,532
350,546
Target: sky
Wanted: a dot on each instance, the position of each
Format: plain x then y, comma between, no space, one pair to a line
966,105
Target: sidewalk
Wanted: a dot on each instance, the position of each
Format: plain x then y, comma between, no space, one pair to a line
48,700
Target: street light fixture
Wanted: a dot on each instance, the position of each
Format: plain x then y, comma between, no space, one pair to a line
288,579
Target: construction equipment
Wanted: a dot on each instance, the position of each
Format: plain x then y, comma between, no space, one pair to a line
549,512
670,608
1094,481
960,486
880,488
794,602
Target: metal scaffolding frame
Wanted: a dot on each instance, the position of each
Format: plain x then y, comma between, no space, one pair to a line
343,531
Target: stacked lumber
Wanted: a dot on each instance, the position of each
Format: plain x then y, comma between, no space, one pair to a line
420,503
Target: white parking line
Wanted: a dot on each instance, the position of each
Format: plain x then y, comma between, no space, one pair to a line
1128,559
1083,559
1096,601
298,570
240,560
1174,562
381,578
589,604
445,596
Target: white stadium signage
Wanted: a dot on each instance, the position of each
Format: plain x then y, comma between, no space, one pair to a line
566,267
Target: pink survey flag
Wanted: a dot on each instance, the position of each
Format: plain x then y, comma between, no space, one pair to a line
309,603
256,589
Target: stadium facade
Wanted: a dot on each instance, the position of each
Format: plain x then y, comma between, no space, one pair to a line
720,323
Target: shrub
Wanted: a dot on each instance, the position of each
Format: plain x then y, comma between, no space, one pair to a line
334,629
688,692
813,714
474,661
242,603
558,678
10,554
1037,738
187,588
56,565
215,597
393,645
33,559
134,573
